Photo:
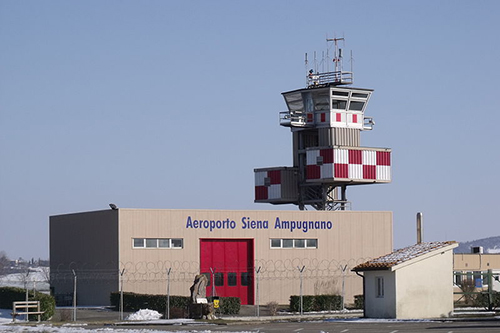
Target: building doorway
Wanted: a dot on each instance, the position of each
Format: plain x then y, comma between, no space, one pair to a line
229,265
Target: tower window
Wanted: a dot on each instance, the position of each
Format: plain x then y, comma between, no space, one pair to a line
338,104
356,106
358,95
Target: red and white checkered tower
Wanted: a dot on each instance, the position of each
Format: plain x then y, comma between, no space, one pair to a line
326,119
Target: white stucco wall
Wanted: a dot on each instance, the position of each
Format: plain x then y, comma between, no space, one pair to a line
380,307
421,288
425,289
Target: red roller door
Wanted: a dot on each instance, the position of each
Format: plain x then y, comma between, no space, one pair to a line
232,261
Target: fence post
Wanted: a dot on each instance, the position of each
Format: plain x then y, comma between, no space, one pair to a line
343,286
121,293
490,289
27,294
74,295
257,271
301,301
168,292
213,280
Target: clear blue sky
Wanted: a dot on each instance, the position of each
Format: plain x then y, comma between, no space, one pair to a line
172,104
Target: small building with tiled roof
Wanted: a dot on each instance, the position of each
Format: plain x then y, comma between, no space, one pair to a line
411,283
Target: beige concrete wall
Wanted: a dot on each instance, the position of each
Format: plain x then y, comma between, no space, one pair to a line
475,262
425,289
354,238
88,244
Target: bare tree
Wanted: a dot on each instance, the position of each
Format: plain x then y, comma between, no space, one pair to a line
468,286
4,262
45,273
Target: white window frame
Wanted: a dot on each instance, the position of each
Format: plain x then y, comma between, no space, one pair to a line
138,247
149,242
275,247
157,246
294,241
311,247
176,247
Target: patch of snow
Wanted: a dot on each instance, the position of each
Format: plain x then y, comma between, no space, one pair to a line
144,314
37,278
164,322
5,316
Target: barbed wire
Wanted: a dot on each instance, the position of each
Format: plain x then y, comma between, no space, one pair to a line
181,271
322,274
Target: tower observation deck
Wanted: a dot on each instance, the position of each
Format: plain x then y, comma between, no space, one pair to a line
326,119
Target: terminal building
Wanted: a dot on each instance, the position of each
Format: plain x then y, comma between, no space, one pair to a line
253,255
257,255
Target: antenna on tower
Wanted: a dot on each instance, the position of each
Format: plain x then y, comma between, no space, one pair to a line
315,63
352,61
337,59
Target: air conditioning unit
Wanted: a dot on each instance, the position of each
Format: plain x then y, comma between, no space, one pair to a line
477,249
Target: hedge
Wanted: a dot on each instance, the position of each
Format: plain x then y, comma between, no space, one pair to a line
483,300
316,303
359,301
8,295
228,305
135,302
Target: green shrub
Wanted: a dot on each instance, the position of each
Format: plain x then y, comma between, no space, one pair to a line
135,302
8,295
359,302
228,305
316,303
482,300
307,303
327,302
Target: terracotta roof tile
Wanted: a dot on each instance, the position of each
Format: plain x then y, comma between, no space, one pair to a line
401,255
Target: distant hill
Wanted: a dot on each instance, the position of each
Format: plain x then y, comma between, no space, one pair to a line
490,245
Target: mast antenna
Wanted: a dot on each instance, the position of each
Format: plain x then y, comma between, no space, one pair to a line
337,59
352,61
306,65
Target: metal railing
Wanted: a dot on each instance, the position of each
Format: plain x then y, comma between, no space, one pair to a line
292,119
472,289
336,78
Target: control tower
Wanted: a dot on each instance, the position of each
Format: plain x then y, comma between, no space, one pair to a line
326,119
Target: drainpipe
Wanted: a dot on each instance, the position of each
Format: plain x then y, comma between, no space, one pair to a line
364,293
